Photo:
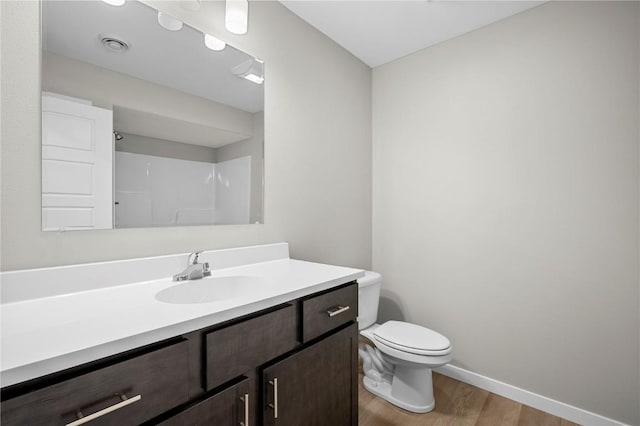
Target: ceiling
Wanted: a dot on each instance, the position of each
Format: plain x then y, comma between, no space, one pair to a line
178,60
379,31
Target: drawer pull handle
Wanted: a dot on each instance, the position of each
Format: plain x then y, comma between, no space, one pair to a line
337,310
84,419
245,399
274,383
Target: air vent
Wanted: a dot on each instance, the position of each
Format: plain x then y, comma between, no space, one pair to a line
114,43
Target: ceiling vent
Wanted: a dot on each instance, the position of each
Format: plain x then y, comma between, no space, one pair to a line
114,44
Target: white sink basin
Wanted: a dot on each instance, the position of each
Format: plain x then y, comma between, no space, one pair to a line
214,289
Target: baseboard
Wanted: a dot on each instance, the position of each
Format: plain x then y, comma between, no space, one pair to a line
542,403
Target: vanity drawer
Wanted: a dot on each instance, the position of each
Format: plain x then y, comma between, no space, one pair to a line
329,310
151,383
238,348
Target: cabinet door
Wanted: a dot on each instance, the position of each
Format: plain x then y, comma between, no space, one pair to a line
316,386
230,407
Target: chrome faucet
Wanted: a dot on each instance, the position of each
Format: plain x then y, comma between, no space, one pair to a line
194,270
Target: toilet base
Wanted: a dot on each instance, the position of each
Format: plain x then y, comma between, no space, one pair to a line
403,392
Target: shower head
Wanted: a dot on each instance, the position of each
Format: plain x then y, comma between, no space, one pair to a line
117,135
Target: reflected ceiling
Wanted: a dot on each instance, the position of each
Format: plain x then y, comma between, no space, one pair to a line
72,28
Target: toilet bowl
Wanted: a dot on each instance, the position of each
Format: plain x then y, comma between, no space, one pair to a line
398,367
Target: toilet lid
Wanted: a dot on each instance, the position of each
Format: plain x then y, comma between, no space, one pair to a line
412,338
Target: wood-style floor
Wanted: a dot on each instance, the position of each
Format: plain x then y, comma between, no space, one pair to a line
457,404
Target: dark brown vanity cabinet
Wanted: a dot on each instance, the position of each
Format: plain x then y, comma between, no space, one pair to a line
292,364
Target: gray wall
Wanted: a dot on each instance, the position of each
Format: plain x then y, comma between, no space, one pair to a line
324,216
506,192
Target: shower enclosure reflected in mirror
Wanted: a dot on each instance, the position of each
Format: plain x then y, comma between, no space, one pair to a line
143,125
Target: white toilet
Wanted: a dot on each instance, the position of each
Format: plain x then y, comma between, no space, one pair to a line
398,368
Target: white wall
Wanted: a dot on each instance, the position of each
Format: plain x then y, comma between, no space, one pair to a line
145,145
105,88
506,192
317,111
233,190
161,191
253,147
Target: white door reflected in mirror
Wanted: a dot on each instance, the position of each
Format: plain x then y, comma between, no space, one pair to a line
77,157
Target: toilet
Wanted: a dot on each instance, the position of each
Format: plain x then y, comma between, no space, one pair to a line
398,366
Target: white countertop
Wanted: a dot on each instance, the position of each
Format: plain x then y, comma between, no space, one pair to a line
48,334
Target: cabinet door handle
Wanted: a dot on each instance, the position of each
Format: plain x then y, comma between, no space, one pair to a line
337,310
245,399
84,419
274,383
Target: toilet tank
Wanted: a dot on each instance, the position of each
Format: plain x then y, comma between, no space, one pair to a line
368,298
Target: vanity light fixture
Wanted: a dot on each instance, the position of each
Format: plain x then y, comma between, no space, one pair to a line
236,16
169,22
214,43
252,70
115,2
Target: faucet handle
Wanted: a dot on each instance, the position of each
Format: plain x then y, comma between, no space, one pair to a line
193,258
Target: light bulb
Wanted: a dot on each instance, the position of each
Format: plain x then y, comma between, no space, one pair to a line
254,78
251,69
214,43
236,16
115,2
169,22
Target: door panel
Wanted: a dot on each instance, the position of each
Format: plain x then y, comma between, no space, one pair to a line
70,177
77,164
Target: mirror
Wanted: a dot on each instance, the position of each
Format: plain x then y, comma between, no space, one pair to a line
143,124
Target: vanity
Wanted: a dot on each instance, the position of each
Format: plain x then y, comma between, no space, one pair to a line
266,340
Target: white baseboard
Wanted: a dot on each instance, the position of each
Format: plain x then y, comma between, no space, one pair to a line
548,405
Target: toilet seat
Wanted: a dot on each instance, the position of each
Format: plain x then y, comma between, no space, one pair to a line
412,338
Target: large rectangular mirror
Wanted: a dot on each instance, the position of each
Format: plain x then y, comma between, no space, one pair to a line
144,124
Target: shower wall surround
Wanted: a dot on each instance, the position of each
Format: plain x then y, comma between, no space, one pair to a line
159,191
